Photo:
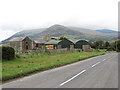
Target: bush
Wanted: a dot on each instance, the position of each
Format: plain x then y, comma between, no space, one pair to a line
110,49
8,53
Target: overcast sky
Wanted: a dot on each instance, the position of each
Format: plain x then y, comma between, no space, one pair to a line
17,15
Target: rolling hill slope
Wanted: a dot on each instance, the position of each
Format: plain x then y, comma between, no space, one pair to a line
107,31
69,32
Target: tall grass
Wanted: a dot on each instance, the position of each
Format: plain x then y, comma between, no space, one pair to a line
29,63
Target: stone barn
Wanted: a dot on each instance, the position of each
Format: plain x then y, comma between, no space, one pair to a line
83,45
21,44
59,44
39,44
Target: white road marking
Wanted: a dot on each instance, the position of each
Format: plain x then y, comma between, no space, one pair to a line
72,77
104,59
95,64
79,74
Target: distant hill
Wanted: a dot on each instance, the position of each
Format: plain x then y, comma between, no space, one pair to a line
29,33
74,33
59,30
107,31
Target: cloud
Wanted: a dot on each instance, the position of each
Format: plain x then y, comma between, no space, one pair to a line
6,34
15,27
17,15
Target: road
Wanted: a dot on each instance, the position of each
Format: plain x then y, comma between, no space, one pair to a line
96,72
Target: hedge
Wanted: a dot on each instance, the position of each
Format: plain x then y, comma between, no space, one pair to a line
8,53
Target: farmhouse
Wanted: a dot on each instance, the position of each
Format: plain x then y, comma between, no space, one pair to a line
58,44
21,43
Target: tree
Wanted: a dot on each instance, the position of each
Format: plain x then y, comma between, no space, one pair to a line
118,46
106,45
63,38
114,46
53,38
98,44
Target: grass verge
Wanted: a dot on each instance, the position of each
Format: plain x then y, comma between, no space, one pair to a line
30,63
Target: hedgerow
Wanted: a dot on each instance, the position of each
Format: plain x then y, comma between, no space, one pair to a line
8,53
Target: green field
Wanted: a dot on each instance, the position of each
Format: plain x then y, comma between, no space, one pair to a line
29,63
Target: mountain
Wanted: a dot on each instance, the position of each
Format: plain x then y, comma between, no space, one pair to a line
58,31
73,33
107,31
29,33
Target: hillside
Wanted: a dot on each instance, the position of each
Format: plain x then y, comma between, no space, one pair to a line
59,31
74,33
69,32
29,33
107,31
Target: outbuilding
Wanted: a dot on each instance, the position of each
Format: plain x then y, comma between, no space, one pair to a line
83,45
21,43
39,44
58,44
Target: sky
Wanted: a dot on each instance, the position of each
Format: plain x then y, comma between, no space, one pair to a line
18,15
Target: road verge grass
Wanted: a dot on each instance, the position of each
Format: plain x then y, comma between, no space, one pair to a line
29,63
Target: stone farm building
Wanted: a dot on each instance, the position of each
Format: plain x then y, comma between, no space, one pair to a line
59,44
39,44
21,43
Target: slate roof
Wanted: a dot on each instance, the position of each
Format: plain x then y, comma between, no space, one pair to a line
40,41
18,39
53,42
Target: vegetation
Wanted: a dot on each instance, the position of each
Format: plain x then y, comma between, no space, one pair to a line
118,45
27,63
8,53
63,38
110,46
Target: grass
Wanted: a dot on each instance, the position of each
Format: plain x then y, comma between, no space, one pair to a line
100,50
30,63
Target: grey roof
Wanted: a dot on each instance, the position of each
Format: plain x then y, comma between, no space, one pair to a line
79,40
40,41
53,42
18,39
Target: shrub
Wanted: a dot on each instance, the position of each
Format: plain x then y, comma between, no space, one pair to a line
8,53
110,49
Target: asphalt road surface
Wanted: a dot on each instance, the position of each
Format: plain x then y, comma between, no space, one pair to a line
96,72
